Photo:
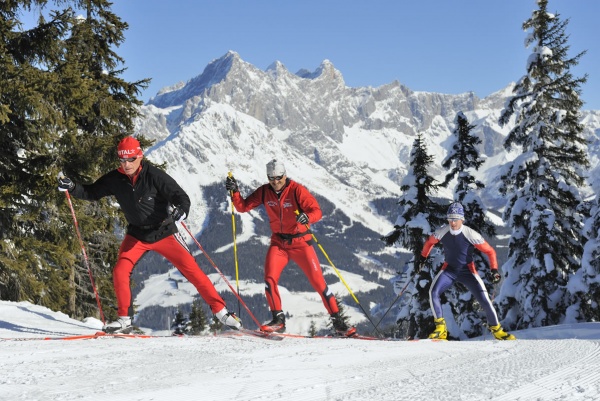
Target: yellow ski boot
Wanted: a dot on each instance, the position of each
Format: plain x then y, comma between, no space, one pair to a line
500,334
440,332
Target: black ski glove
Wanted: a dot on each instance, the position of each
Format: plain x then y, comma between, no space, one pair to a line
177,214
302,218
496,277
420,262
65,183
231,184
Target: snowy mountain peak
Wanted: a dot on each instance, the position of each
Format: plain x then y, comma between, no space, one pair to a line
214,73
277,68
326,71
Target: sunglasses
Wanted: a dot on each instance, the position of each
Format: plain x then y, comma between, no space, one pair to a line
279,177
129,159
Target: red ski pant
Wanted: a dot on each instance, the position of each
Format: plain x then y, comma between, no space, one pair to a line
306,258
175,250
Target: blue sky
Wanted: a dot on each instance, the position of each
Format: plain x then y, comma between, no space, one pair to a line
428,45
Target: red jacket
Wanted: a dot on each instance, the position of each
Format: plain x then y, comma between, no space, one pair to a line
282,210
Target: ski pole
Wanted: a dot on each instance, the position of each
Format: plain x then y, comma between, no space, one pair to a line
492,297
220,273
402,291
237,276
85,257
340,276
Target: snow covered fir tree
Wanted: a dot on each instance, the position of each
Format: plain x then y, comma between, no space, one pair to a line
545,183
419,212
523,161
463,161
180,324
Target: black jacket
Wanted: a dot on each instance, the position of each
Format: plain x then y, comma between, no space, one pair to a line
144,204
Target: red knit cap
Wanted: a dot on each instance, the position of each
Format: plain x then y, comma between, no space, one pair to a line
129,147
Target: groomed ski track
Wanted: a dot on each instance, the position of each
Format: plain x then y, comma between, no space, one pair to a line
221,367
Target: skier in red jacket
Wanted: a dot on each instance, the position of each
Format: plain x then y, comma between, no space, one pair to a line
459,242
145,195
290,239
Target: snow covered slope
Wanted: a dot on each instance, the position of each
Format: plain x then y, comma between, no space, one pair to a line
553,363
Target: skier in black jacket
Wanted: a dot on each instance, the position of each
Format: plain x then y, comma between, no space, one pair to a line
152,202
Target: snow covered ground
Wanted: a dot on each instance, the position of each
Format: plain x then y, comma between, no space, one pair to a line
551,363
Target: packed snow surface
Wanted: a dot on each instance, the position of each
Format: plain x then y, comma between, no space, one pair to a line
551,363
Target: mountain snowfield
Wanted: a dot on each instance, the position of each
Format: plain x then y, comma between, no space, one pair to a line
348,145
550,363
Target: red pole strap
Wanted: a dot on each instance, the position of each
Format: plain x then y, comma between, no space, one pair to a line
221,274
85,257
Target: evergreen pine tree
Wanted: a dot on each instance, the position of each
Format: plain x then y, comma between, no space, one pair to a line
198,320
461,161
342,312
180,324
543,184
24,112
312,330
418,213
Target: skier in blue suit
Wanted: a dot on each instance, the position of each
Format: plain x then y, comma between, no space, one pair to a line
459,242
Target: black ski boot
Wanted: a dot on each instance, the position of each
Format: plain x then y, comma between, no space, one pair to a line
340,327
277,325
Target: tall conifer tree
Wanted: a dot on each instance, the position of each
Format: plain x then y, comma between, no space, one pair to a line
198,319
462,160
543,184
180,324
418,213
